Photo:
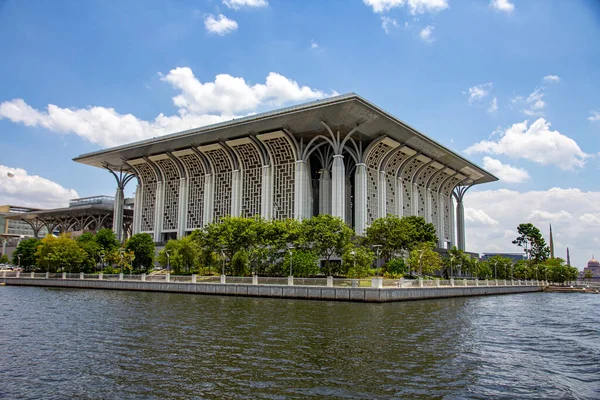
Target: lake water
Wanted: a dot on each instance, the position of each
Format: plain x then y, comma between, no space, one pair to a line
86,344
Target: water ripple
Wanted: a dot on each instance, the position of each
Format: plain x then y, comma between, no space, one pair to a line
61,343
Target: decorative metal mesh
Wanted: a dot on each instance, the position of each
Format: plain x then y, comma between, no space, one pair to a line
423,194
372,162
251,178
148,178
283,177
170,194
407,174
195,206
435,185
447,192
391,170
222,183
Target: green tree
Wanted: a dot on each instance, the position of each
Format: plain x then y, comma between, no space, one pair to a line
588,275
183,255
240,263
531,240
358,261
106,239
27,249
60,253
396,268
500,266
4,259
453,262
87,243
558,271
420,232
142,246
424,260
328,236
392,233
304,263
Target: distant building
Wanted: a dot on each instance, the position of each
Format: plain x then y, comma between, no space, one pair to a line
13,230
88,214
594,267
513,256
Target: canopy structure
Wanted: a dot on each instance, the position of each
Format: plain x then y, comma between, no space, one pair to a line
83,215
342,156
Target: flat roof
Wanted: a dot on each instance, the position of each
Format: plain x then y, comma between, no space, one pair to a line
304,120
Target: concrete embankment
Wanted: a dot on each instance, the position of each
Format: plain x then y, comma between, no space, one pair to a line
359,294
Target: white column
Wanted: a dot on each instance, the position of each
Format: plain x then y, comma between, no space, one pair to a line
236,193
428,216
301,190
415,199
324,192
360,199
117,214
452,221
348,194
338,182
399,198
460,224
266,194
183,205
381,195
440,227
158,211
208,200
137,209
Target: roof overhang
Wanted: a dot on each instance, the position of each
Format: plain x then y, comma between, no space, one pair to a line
343,112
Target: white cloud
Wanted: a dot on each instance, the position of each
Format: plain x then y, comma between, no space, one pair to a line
535,142
220,26
536,103
505,172
594,116
552,78
27,190
502,5
237,4
542,215
574,214
415,6
426,34
314,45
479,217
198,104
479,92
388,23
493,105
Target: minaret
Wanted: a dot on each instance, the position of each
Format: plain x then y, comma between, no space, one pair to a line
568,258
551,243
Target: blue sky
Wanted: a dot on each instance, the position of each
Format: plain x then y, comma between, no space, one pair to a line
464,72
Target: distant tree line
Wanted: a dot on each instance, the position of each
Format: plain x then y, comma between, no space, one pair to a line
322,245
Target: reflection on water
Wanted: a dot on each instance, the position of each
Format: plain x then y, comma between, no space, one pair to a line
62,343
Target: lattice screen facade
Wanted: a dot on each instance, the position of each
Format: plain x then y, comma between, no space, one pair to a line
391,178
195,203
148,178
406,175
222,168
421,181
447,192
283,177
250,160
435,204
170,211
372,163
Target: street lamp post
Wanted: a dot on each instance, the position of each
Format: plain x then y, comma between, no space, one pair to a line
451,261
290,250
495,270
378,247
168,260
19,257
223,268
121,255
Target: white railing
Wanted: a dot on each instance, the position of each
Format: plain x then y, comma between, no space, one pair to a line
260,280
